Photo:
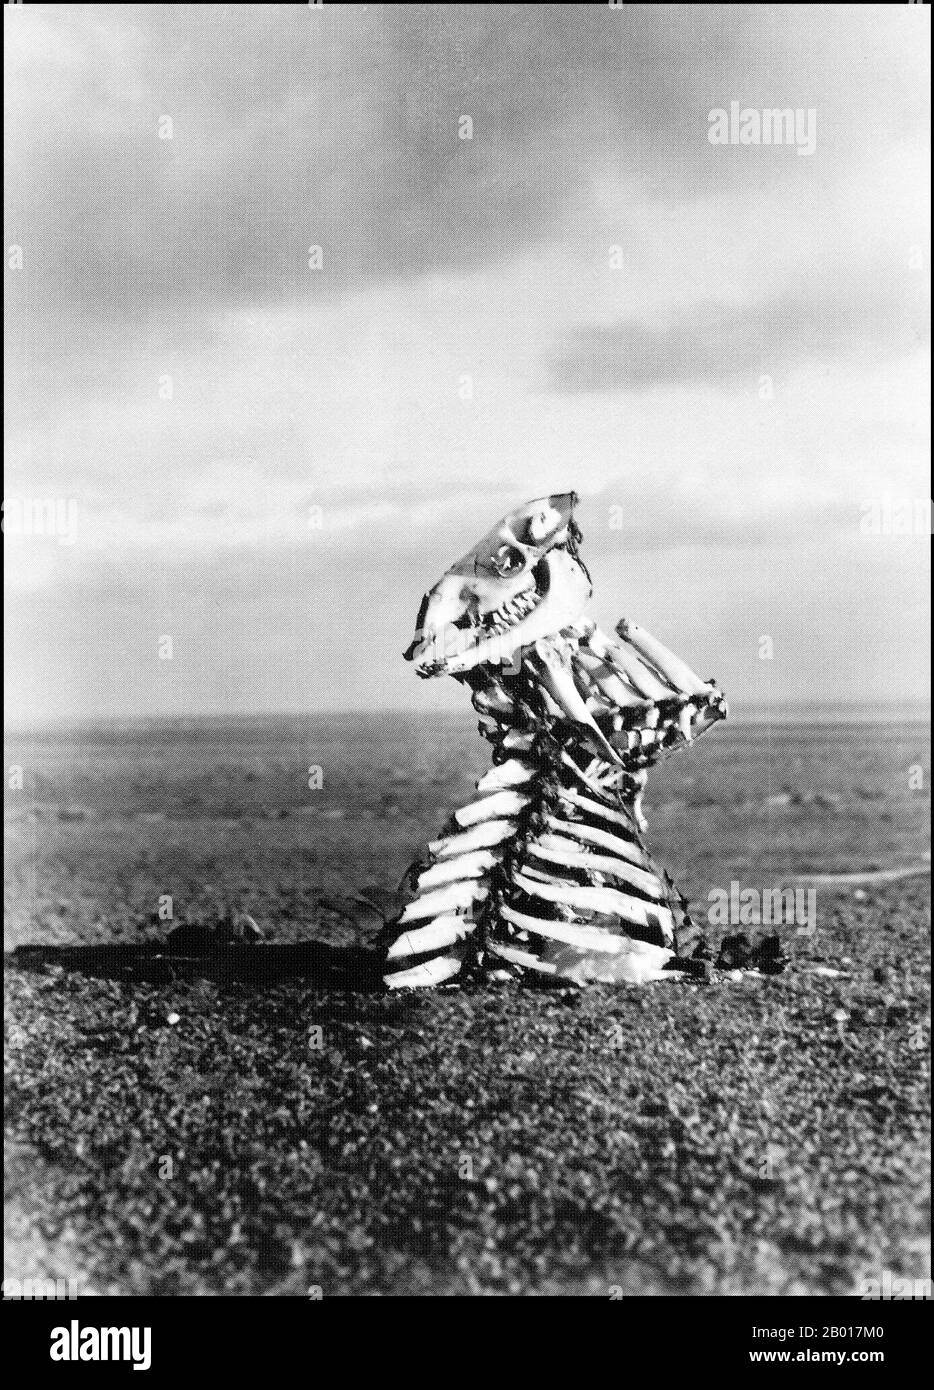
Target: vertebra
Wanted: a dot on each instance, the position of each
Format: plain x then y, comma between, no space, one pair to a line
546,870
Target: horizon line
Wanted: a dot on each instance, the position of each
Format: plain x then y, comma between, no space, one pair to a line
912,708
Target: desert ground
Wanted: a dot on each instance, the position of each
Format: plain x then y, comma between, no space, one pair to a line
199,1129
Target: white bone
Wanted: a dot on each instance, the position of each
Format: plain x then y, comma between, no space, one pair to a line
566,590
524,958
626,849
629,961
560,684
453,897
550,706
493,701
671,667
517,741
640,675
613,815
518,596
565,852
452,870
423,976
627,661
609,777
512,773
590,668
543,523
685,717
481,836
597,808
630,967
708,715
443,931
607,900
500,804
576,934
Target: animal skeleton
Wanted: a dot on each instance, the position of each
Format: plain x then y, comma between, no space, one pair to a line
547,871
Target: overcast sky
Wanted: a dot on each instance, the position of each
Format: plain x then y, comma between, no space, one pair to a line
722,348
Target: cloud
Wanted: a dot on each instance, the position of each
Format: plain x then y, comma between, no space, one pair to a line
339,127
445,261
712,343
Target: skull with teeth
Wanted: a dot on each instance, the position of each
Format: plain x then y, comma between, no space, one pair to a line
546,872
521,582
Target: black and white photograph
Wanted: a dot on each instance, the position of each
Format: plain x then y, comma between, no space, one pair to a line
467,694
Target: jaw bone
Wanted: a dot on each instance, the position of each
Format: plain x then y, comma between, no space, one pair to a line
563,589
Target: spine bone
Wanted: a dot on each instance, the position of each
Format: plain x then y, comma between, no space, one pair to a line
545,869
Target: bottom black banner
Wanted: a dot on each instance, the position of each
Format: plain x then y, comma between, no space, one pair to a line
164,1338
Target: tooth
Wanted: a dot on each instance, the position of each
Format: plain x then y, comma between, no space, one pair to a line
567,589
675,671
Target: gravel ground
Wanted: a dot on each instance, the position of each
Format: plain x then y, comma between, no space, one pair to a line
763,1136
196,1135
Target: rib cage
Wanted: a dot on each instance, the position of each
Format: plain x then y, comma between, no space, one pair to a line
546,871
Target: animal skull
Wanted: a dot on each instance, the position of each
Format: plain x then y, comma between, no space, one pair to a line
545,871
521,582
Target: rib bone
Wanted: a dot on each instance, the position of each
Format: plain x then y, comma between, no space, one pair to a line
545,870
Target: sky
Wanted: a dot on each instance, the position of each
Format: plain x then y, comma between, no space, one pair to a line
535,273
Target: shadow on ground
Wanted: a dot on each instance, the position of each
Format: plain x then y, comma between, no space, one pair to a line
338,968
